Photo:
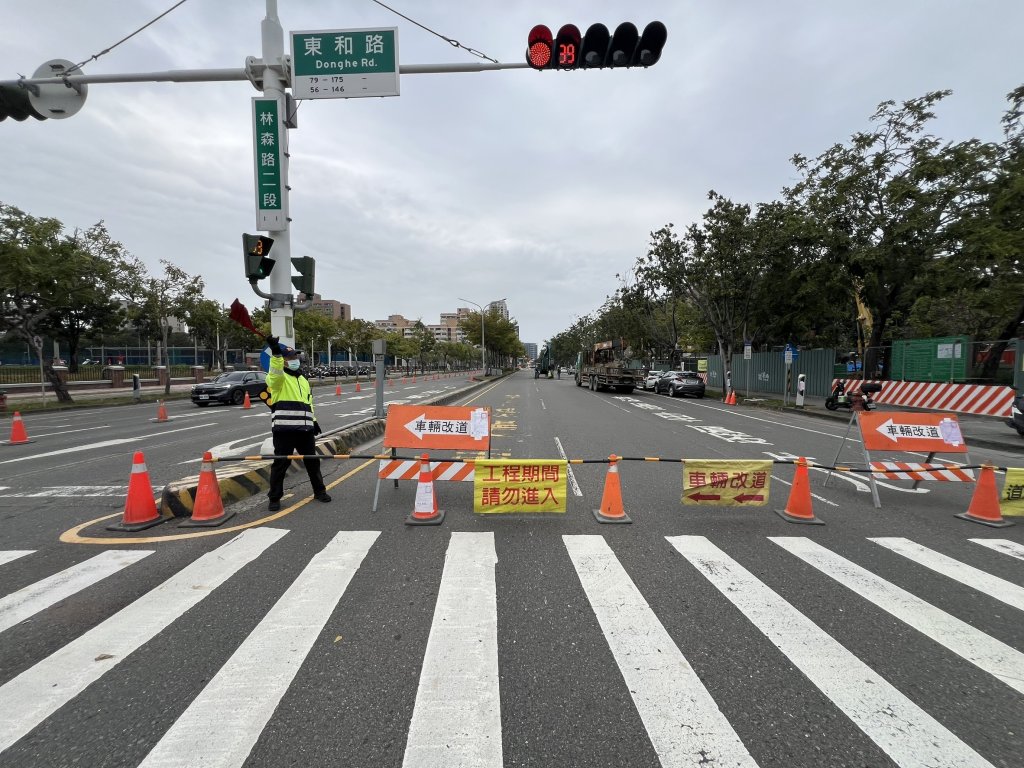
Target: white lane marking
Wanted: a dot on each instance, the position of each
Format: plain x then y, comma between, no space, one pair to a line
7,555
683,721
991,655
908,734
89,447
107,443
993,586
69,431
225,449
18,606
543,405
1007,547
39,691
264,665
568,470
64,491
456,720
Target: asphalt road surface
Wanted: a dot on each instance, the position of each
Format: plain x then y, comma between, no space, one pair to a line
334,635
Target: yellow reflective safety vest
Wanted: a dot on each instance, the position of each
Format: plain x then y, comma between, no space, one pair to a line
291,400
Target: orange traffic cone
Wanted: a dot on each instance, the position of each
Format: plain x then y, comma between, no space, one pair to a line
358,388
984,506
798,507
207,509
140,510
18,434
732,397
246,403
414,378
611,510
161,412
337,390
425,511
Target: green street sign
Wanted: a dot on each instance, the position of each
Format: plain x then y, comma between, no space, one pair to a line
345,63
268,151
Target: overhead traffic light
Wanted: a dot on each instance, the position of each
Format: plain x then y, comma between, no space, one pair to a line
14,103
257,262
25,99
304,283
627,47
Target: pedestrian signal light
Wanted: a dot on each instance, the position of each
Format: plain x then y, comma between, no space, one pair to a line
567,46
539,49
304,283
257,262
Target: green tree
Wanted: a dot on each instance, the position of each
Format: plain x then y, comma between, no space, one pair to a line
887,199
31,251
162,299
713,267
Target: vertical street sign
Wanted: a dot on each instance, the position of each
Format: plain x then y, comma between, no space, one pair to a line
268,151
345,63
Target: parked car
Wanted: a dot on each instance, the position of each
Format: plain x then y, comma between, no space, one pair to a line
651,379
1016,419
680,383
230,387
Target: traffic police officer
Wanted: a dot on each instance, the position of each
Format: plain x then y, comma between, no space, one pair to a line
293,423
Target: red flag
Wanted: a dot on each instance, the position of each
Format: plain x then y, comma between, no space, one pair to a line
241,316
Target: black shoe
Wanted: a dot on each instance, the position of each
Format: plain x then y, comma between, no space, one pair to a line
324,497
274,506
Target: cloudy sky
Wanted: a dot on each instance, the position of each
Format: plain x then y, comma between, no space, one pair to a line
536,187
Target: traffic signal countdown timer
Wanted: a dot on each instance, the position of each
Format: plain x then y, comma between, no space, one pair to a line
258,263
597,48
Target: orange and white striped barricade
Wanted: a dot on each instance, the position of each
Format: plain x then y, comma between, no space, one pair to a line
897,432
431,428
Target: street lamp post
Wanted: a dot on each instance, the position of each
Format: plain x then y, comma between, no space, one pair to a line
483,348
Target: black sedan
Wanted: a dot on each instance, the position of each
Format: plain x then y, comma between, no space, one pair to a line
230,387
679,383
1016,419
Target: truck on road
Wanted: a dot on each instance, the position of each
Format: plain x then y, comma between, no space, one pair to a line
609,365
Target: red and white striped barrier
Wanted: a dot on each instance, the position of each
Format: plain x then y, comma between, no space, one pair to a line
399,469
979,399
909,470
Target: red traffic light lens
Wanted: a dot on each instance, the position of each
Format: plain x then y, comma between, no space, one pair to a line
539,47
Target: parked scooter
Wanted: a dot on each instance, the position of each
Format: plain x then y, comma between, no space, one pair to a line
841,399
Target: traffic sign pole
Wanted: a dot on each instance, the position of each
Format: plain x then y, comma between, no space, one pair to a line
274,84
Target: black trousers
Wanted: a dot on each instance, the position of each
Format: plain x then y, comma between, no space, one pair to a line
293,442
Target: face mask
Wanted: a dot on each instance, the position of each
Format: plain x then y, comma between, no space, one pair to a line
294,365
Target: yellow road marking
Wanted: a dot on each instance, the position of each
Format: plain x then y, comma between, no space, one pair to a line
72,536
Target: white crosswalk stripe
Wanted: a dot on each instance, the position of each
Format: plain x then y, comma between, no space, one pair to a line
17,607
975,578
1007,547
8,555
214,730
995,657
908,734
664,687
455,718
39,691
